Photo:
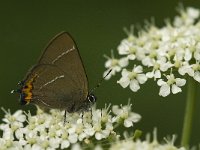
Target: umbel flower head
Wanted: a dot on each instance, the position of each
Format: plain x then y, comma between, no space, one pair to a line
168,54
91,130
23,130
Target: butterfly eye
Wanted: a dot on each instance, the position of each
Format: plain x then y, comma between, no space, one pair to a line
92,98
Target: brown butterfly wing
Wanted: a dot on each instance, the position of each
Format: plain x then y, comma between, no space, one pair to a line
60,80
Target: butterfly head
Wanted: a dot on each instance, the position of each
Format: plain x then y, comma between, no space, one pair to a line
91,98
85,105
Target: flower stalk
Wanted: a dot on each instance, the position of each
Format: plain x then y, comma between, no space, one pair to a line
191,100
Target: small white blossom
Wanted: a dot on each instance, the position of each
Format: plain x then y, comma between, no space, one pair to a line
192,12
115,64
17,117
124,114
186,68
128,48
158,66
171,85
133,78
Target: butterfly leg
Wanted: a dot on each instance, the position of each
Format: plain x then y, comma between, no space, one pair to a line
65,114
82,114
91,113
101,113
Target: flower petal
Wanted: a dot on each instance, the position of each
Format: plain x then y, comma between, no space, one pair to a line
157,74
138,69
123,62
142,78
180,82
73,138
150,74
188,55
125,73
128,123
98,136
124,82
164,90
108,63
131,57
160,82
175,89
134,85
65,144
197,76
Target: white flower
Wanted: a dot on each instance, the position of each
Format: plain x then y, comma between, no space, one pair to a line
102,117
124,113
186,68
18,116
128,48
171,85
192,12
89,130
158,65
115,64
133,78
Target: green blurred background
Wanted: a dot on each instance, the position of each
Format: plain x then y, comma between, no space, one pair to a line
27,26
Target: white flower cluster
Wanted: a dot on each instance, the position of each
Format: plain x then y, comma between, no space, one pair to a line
47,130
165,54
130,144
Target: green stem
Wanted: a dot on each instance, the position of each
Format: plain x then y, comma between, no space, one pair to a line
189,111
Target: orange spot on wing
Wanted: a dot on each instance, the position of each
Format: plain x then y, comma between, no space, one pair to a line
27,89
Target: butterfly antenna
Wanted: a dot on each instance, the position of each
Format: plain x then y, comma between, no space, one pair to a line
99,83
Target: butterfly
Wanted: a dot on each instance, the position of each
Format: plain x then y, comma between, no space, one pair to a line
58,80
